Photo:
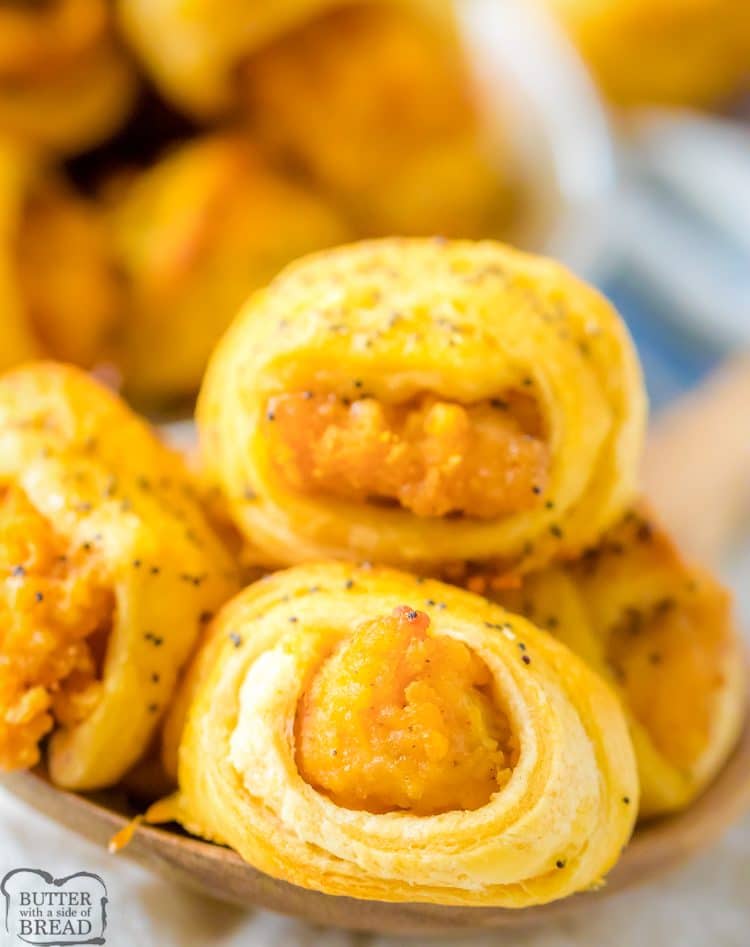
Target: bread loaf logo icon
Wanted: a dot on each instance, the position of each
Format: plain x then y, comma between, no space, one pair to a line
54,912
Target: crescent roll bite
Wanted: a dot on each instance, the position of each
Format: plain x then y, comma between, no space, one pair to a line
65,84
363,732
108,570
661,632
422,402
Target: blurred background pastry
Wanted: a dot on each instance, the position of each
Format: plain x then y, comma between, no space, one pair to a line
280,131
392,116
193,236
369,100
59,287
65,82
201,68
373,103
665,52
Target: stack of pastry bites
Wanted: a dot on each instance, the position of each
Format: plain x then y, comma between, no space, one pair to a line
483,726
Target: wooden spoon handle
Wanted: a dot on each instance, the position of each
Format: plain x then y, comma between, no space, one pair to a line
697,465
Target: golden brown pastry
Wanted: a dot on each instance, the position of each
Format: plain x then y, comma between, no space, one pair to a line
60,295
196,69
661,632
193,235
422,402
669,52
108,571
64,82
367,733
373,102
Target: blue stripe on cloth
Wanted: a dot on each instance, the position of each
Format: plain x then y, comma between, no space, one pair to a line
674,360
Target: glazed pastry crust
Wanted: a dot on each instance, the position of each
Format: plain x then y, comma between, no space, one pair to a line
556,827
108,487
661,631
193,236
396,319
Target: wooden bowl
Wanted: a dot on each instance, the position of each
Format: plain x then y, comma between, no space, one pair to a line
655,848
